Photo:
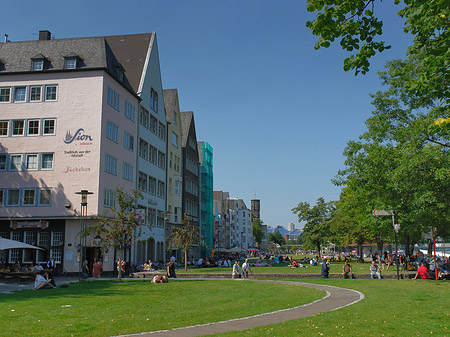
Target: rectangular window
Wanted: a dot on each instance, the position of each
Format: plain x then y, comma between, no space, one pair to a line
152,217
45,197
170,159
20,94
162,131
170,185
13,197
143,117
47,161
33,128
56,254
142,182
153,125
113,99
29,197
129,111
15,162
4,128
174,139
143,149
111,164
37,65
127,171
18,127
49,127
70,63
176,187
112,131
5,94
161,189
109,198
31,162
128,141
43,239
50,92
14,255
1,197
160,219
152,185
161,160
153,155
154,100
35,94
2,162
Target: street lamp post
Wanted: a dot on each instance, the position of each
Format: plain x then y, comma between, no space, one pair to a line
396,229
83,216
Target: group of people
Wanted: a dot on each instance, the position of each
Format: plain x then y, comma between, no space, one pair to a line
238,273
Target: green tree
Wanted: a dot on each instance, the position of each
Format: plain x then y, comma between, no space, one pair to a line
258,234
121,227
355,25
316,231
185,236
276,237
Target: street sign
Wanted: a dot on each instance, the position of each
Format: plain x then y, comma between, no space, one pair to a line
383,212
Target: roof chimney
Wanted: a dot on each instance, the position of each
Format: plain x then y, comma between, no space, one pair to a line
45,35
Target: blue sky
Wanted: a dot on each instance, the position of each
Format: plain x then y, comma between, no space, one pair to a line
277,113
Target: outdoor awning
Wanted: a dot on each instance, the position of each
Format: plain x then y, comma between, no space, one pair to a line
13,244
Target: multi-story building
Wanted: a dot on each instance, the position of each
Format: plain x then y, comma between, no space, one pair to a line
174,167
140,59
65,126
191,170
206,196
234,222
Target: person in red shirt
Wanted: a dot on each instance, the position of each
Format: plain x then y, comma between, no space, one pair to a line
96,269
423,272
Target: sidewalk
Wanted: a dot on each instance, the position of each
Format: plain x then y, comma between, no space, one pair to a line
6,288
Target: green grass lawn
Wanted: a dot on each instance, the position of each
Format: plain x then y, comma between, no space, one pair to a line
390,308
335,267
106,308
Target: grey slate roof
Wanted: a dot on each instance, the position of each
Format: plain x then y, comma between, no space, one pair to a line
131,51
186,118
170,99
93,52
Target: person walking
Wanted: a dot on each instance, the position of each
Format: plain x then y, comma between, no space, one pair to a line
325,269
96,269
245,268
236,270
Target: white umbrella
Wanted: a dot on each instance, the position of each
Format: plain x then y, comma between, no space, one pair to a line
13,244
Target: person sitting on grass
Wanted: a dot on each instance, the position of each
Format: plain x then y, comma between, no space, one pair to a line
294,264
347,270
374,270
160,279
43,282
423,272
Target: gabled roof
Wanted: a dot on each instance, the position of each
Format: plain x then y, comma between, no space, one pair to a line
170,100
94,51
132,51
187,118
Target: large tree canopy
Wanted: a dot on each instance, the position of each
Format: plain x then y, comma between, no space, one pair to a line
356,25
316,231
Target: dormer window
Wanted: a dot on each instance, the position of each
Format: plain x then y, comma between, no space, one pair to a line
38,65
38,62
120,72
70,63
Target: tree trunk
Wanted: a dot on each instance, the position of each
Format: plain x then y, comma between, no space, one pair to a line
430,248
361,258
380,250
185,259
318,249
407,244
119,266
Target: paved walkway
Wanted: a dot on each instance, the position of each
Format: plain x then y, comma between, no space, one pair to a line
334,299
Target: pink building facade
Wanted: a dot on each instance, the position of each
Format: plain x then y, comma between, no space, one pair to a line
68,122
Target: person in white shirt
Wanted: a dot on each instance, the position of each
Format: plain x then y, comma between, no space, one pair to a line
245,268
236,270
40,282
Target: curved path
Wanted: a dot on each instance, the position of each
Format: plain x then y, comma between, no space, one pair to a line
334,299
